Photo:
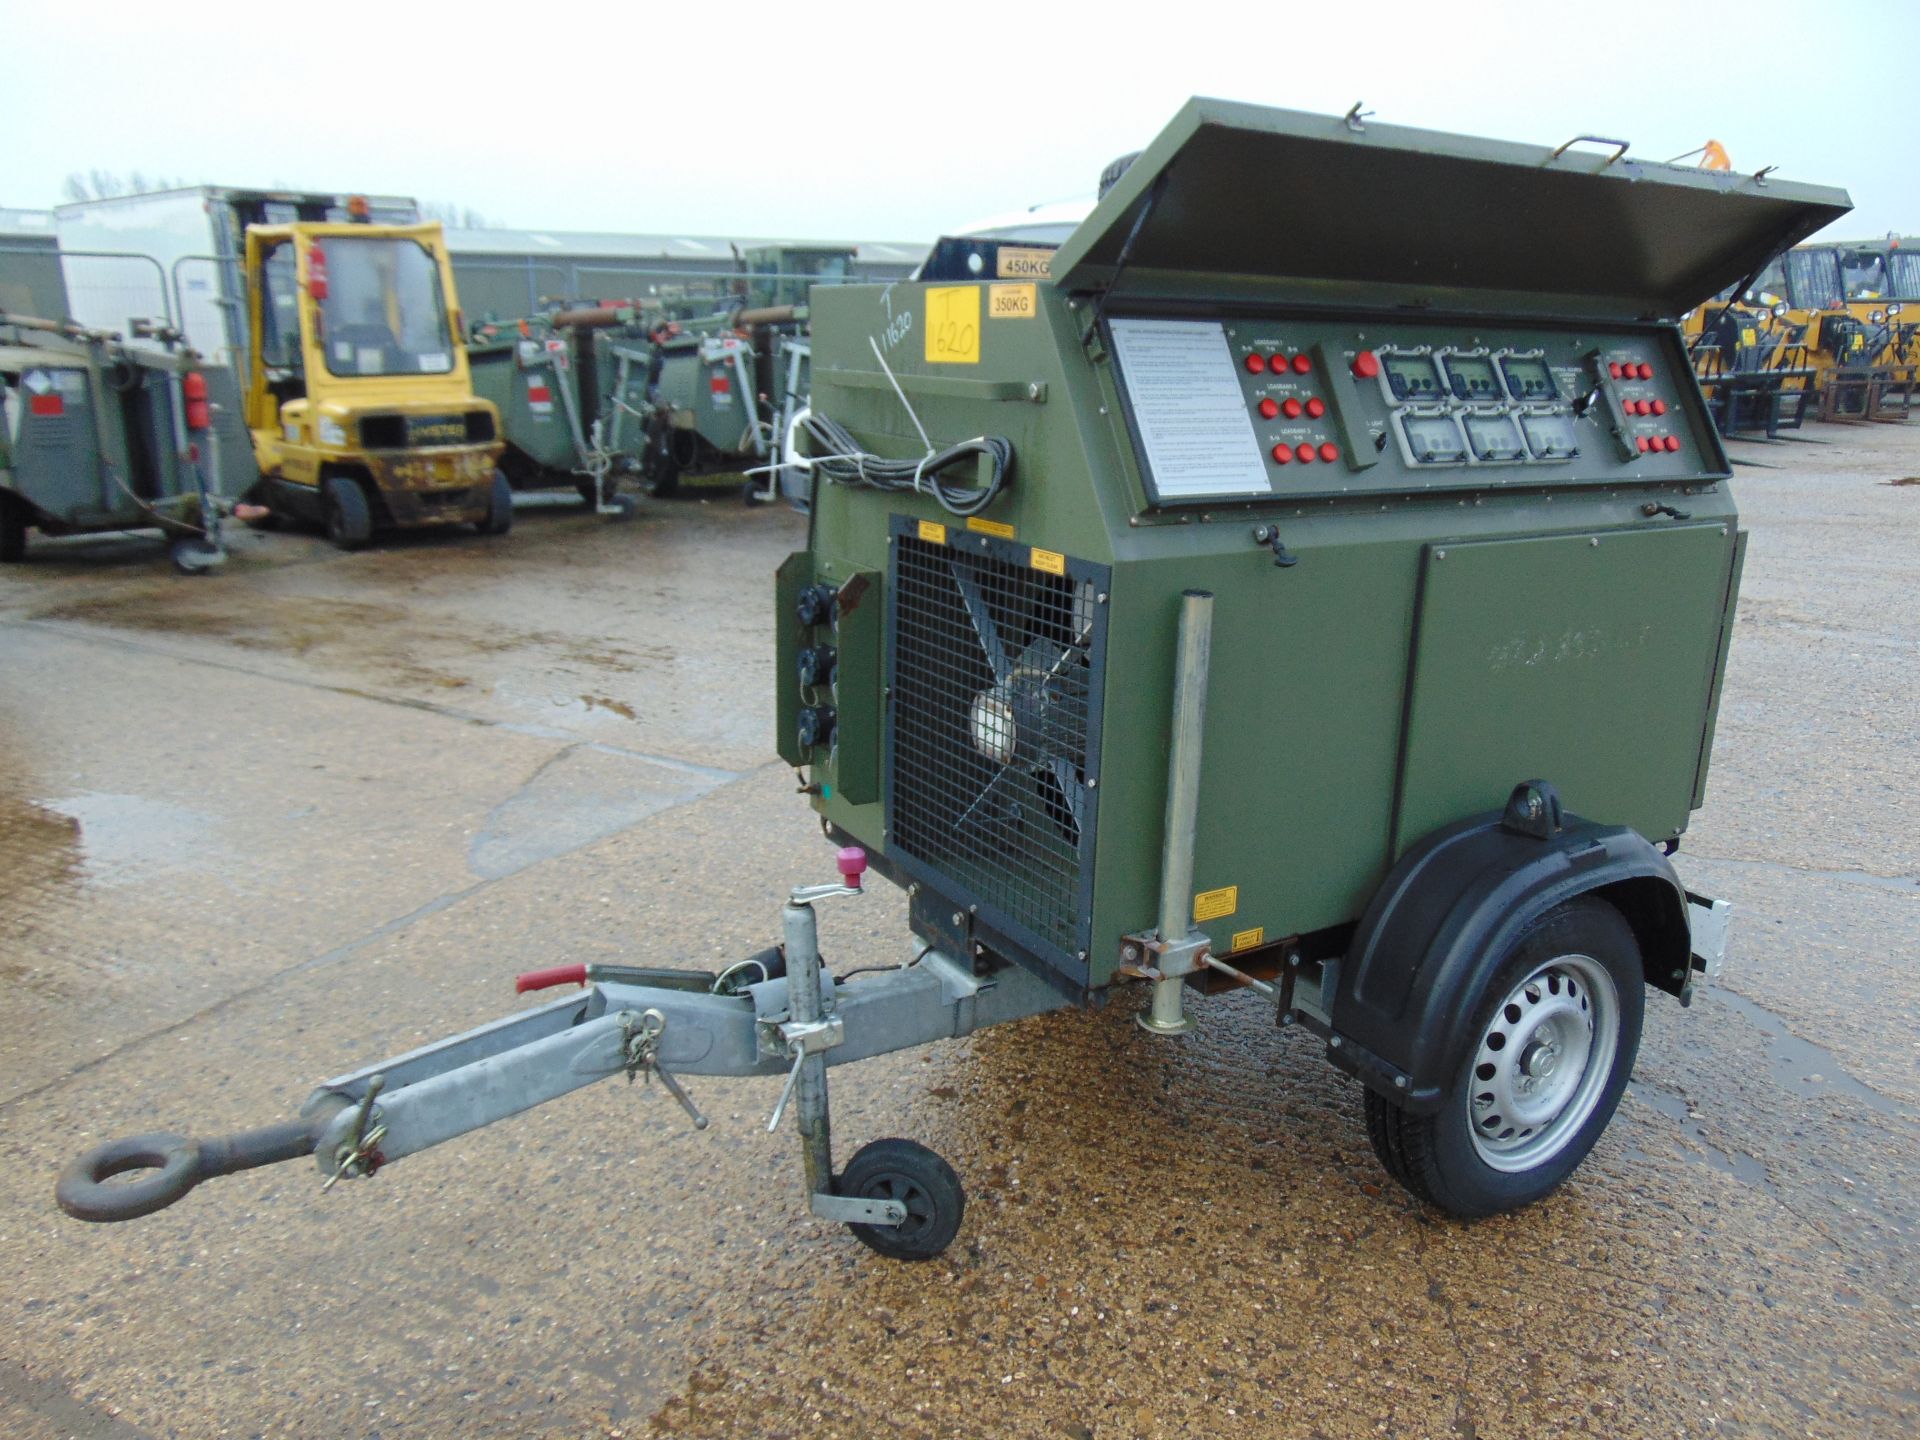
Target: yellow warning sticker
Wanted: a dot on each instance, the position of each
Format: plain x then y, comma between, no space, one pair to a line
1022,262
1013,302
1749,335
1247,939
933,532
953,325
1216,904
990,527
1051,561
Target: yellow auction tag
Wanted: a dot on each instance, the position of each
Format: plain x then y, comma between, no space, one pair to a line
990,527
1051,561
1216,904
1013,302
933,532
1247,939
953,325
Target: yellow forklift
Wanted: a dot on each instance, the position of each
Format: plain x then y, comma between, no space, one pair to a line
359,398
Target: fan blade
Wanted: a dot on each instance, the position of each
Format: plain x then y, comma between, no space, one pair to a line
1067,776
983,625
981,798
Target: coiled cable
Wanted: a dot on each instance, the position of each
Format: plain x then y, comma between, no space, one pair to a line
834,453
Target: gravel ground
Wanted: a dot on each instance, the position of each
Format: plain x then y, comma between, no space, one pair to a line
258,828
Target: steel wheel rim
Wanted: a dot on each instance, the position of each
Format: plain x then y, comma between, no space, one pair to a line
1542,1063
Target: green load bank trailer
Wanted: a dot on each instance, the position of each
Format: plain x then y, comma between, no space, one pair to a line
550,416
1319,583
97,435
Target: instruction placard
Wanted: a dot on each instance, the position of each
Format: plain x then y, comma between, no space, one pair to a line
1193,421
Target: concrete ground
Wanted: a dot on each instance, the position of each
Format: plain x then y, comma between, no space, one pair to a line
258,828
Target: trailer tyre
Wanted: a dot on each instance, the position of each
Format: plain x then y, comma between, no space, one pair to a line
499,507
1554,1040
13,531
909,1172
349,518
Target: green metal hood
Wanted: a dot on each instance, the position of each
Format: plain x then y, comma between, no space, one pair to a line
1303,206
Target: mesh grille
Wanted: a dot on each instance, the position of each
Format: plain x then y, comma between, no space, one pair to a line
993,732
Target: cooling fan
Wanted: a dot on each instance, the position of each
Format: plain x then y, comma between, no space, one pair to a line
1031,721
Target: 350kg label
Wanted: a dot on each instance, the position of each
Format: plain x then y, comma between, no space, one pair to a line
1013,302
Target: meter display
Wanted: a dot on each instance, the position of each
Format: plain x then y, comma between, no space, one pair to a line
1550,437
1471,377
1528,378
1411,377
1433,439
1494,438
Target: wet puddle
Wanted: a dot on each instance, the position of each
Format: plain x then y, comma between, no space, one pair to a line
125,838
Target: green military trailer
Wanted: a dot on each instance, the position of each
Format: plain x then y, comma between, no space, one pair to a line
1318,582
541,374
709,398
98,435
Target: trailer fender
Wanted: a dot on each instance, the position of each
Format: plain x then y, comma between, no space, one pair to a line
1402,1001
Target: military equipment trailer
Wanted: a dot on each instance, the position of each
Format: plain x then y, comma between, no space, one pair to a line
1318,583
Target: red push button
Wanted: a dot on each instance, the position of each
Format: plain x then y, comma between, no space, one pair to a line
1256,364
1644,443
1316,407
1303,364
1670,444
1283,454
1659,407
1645,372
1269,408
1329,452
1615,369
1304,453
1291,408
1366,365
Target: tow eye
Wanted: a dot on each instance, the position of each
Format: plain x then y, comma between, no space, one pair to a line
86,1189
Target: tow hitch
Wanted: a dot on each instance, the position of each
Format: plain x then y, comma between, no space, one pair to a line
896,1196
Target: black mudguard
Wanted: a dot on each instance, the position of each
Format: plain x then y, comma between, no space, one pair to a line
1403,999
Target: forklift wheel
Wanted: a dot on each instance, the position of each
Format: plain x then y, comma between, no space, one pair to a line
912,1174
349,520
499,508
13,531
1553,1043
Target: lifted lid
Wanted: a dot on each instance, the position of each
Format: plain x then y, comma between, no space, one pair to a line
1316,206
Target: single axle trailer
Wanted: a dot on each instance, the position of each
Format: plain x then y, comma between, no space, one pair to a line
1317,579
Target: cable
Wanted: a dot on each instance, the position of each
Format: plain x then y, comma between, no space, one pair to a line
837,455
877,969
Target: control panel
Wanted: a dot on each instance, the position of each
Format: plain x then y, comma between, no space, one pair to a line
1258,409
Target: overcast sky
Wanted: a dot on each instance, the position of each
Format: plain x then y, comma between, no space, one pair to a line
898,122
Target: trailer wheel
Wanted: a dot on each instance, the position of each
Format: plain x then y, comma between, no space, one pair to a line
499,507
349,519
909,1172
13,531
665,481
1553,1043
